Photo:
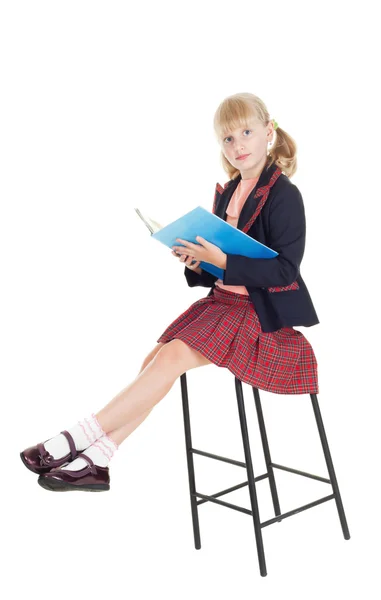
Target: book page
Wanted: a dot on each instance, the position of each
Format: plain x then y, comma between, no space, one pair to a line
152,225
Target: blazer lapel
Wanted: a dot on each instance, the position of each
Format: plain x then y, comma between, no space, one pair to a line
251,203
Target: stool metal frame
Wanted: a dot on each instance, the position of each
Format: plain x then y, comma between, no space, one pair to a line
254,512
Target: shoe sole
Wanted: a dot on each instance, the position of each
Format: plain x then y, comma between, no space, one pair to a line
54,485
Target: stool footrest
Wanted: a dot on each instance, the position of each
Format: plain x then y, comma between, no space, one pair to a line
239,463
297,510
279,517
227,504
324,479
227,491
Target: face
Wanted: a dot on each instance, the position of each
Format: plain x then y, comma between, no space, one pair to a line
252,141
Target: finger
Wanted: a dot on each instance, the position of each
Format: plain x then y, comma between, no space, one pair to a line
186,243
193,266
190,260
184,258
201,240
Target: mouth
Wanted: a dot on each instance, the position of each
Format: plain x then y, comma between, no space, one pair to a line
242,157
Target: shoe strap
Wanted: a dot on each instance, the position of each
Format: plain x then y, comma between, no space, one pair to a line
92,467
70,439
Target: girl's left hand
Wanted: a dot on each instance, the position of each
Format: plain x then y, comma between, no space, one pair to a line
203,251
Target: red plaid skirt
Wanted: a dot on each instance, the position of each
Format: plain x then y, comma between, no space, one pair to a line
224,327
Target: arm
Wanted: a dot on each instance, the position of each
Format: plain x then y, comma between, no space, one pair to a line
287,237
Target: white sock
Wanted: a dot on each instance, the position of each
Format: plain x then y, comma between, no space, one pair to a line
84,433
101,452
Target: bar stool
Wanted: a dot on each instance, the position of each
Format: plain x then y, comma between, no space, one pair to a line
254,512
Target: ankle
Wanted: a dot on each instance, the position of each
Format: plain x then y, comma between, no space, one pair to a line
101,452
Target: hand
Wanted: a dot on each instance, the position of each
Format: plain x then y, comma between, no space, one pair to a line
188,262
203,251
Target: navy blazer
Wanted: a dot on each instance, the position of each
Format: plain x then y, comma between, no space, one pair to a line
281,225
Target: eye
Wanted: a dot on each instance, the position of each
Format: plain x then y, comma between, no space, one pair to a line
243,131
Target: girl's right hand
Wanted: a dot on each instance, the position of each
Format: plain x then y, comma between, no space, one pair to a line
187,261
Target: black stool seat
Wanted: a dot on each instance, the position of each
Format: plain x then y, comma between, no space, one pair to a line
248,465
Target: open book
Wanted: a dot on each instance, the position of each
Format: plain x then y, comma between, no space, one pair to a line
152,225
215,230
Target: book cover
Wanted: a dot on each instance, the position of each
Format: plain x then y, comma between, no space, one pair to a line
212,228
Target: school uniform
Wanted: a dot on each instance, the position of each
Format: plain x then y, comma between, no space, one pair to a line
245,323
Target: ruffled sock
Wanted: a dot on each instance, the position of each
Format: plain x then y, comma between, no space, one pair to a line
101,452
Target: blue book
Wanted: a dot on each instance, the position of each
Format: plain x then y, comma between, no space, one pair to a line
200,221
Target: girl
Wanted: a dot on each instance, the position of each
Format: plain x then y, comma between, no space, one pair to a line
245,323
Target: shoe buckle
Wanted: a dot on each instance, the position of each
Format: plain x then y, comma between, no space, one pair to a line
45,459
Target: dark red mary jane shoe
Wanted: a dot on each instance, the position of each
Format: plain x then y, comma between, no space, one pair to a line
37,458
91,478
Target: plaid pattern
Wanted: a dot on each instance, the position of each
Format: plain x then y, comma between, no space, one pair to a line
292,286
218,191
225,328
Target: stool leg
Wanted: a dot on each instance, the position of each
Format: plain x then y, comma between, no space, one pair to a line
266,452
189,453
251,480
329,462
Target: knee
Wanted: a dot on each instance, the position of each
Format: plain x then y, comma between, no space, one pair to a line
176,357
172,354
151,355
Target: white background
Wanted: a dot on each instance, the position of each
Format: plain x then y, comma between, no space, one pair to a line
107,106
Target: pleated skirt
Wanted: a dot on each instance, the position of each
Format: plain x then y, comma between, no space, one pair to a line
224,327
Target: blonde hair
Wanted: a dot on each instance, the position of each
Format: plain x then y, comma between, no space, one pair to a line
234,112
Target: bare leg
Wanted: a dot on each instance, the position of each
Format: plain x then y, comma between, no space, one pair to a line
133,404
120,434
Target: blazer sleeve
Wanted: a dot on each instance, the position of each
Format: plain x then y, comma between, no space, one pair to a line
205,279
287,235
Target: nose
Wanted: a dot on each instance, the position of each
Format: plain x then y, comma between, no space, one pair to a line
238,150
